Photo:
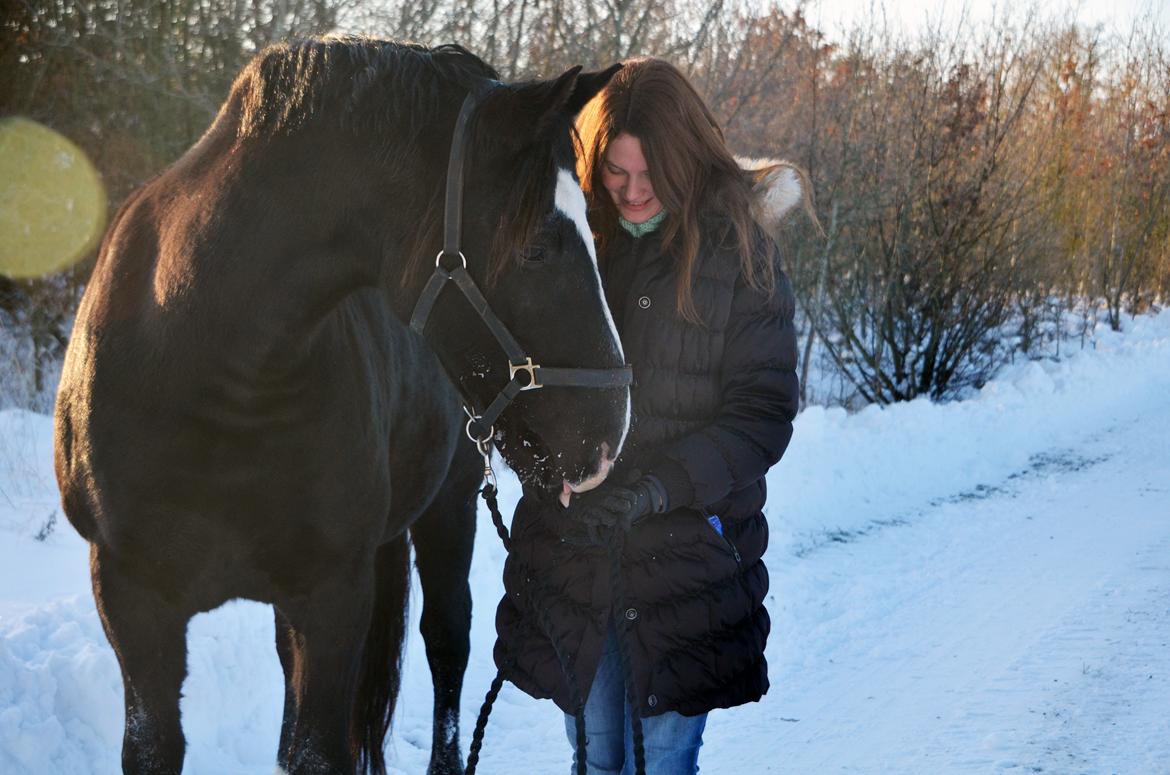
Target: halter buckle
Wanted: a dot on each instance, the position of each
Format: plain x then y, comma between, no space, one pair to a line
529,367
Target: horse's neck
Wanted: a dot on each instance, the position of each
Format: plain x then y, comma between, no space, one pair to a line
278,233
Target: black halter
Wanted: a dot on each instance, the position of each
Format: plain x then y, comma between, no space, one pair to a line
523,373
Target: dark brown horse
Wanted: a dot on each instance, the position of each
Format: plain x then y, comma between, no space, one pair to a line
244,412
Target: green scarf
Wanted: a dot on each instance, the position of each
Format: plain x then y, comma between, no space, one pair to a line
645,227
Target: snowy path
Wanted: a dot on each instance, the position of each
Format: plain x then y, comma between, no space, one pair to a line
1028,631
977,587
1019,623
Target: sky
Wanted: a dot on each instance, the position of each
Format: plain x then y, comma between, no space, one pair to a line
1116,16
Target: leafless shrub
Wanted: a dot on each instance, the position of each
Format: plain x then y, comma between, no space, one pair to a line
975,186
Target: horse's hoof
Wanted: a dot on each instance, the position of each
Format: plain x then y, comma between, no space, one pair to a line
446,766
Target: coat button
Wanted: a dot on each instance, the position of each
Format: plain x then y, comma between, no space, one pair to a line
644,302
631,614
652,700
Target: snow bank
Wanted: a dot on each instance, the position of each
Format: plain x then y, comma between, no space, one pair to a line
845,473
57,679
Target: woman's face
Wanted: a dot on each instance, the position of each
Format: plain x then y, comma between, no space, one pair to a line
627,179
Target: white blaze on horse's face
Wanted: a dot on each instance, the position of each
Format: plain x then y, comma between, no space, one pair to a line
570,200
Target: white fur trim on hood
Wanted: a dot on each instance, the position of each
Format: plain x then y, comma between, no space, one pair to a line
778,192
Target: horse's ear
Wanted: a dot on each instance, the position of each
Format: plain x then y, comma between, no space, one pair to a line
536,104
587,86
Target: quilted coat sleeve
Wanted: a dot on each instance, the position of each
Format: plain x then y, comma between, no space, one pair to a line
760,397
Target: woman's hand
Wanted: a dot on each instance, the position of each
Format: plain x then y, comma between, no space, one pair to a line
610,506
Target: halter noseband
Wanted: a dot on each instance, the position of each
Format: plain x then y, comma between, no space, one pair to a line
523,373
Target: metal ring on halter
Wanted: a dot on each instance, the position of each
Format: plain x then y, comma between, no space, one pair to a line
491,431
484,446
439,258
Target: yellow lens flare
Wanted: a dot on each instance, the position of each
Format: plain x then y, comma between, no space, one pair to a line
52,201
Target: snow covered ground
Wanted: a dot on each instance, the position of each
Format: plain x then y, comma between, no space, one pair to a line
982,587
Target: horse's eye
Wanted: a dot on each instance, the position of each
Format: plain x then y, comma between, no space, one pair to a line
532,254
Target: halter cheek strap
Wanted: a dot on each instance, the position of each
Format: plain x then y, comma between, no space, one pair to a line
523,373
453,207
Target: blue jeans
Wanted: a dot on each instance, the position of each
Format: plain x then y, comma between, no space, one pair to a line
671,741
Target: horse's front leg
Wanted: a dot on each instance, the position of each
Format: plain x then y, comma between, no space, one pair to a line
323,641
443,539
148,631
286,648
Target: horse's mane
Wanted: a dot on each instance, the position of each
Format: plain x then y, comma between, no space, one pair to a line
393,89
362,83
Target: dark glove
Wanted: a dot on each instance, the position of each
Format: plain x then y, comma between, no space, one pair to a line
611,506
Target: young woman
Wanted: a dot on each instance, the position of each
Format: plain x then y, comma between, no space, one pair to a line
648,591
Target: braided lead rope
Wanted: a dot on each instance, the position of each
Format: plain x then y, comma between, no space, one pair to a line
481,722
582,754
616,545
574,691
490,496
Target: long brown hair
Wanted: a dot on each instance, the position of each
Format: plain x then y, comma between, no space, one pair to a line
693,173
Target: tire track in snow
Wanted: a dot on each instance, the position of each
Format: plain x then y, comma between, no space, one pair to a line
1111,716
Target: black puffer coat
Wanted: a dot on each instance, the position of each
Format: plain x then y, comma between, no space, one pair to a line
712,410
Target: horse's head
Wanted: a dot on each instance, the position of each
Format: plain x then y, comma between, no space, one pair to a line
530,249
